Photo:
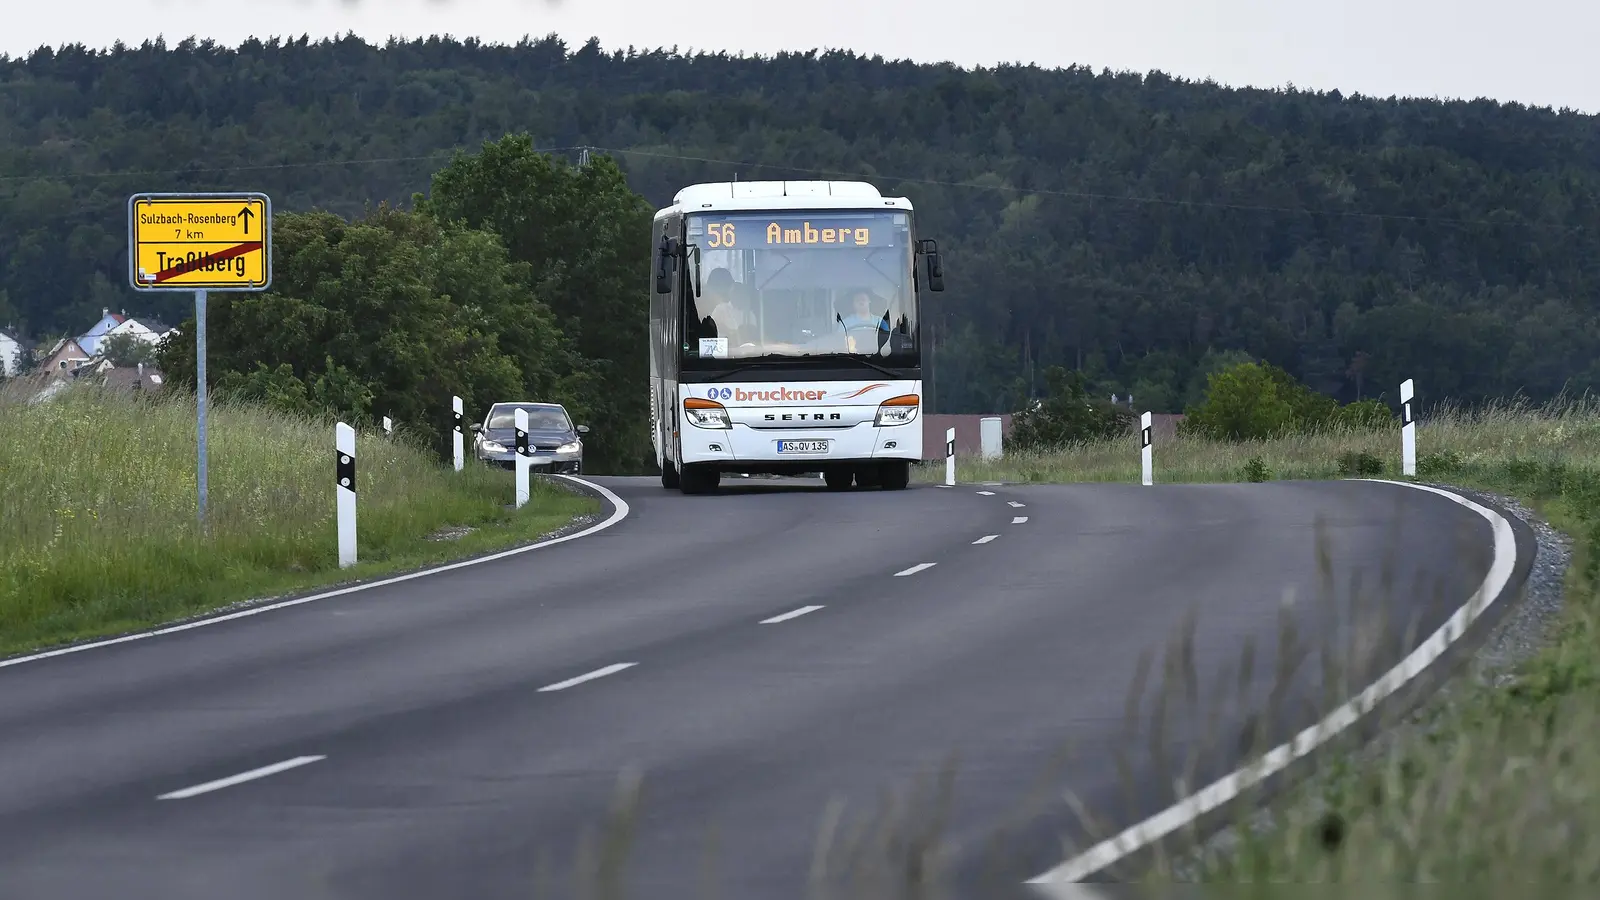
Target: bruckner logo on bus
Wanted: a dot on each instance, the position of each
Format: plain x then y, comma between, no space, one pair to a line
783,394
740,395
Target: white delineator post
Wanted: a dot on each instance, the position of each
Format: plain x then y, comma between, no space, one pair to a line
455,404
1408,429
950,456
1146,454
344,445
989,435
522,459
388,426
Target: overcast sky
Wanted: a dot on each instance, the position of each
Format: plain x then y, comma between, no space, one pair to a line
1539,52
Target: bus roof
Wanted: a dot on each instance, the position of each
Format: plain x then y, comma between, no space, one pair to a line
778,195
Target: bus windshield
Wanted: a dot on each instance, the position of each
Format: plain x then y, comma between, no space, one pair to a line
802,284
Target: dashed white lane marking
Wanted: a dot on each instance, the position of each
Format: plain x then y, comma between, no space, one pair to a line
942,485
1014,504
915,569
1063,881
792,614
987,493
241,778
986,539
597,673
1018,520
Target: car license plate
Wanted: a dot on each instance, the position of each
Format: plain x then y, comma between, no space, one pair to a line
802,446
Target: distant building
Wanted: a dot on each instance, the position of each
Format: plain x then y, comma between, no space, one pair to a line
90,340
13,350
64,357
148,330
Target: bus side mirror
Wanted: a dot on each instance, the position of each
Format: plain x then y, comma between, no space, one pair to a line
930,251
664,259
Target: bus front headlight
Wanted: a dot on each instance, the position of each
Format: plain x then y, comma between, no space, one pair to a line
898,410
706,413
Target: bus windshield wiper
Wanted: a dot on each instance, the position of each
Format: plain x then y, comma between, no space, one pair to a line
760,364
845,357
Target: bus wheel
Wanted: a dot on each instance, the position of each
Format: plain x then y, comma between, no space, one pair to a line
669,475
699,479
895,476
837,479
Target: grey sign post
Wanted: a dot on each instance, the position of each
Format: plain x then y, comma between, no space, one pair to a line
200,243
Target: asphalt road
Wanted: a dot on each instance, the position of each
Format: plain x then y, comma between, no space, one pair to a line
992,626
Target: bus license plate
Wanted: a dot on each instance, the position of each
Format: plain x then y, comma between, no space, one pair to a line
802,446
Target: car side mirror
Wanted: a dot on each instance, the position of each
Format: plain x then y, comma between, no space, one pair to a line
583,429
477,426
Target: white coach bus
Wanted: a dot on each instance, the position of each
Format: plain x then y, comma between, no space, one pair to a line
784,333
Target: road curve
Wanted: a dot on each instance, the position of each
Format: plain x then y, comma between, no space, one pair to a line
754,654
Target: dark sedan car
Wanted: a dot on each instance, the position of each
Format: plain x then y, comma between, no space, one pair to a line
554,444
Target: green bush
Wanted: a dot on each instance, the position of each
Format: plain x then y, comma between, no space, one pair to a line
1365,415
1255,470
1436,465
1259,401
1243,402
1362,464
1067,416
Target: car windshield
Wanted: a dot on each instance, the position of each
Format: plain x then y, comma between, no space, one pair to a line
802,284
540,418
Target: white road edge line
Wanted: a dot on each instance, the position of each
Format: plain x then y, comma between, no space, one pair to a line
1018,520
618,513
986,539
1060,882
612,669
915,569
1014,504
241,778
791,614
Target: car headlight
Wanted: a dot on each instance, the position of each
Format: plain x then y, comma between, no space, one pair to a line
706,413
493,447
572,447
897,410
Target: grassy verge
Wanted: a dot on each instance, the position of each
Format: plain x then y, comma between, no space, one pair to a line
1503,782
98,532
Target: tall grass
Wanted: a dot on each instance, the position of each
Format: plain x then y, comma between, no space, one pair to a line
1453,440
98,526
1500,785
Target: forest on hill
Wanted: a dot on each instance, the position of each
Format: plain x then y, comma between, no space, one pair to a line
1141,229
